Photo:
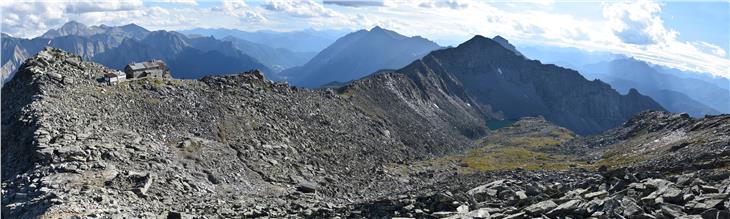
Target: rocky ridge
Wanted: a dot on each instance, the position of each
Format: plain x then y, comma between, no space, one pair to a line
664,142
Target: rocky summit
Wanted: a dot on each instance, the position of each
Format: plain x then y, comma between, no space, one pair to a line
411,143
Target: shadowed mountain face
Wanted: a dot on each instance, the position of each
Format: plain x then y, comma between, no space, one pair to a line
694,96
481,74
359,54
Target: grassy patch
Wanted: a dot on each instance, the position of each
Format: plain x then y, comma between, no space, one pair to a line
619,160
520,145
562,134
507,158
534,141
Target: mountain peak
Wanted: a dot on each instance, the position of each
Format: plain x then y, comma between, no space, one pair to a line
477,38
484,71
69,28
505,43
478,41
382,31
75,28
73,24
499,38
633,92
132,26
376,29
359,54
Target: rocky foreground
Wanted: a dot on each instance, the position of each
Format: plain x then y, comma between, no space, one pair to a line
242,146
608,194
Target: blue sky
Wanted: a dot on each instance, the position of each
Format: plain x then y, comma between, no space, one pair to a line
689,35
699,21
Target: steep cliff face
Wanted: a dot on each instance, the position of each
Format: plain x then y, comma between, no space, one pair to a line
501,84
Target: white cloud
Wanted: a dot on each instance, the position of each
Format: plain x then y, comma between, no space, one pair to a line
183,2
710,48
354,3
453,4
302,8
79,7
241,10
32,18
638,22
630,28
642,34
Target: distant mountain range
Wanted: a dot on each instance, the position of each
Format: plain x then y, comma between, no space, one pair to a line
695,93
277,59
568,57
482,79
73,28
678,94
296,58
359,54
118,46
16,50
309,40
